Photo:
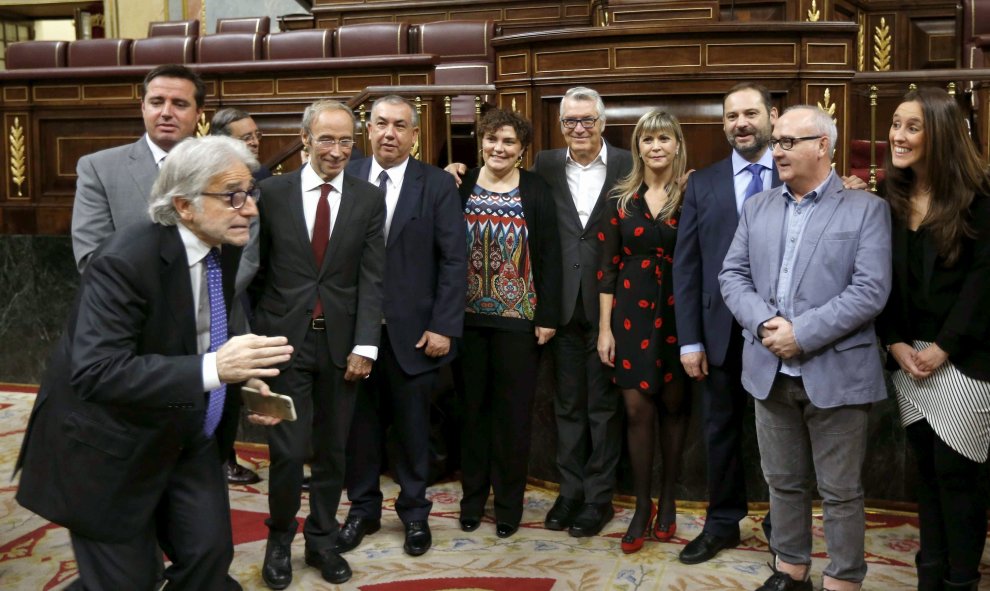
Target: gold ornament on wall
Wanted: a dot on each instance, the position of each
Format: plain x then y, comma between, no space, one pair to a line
813,13
828,106
861,43
15,147
203,127
881,46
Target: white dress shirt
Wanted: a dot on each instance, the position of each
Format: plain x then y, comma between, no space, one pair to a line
586,182
311,188
392,187
156,152
196,251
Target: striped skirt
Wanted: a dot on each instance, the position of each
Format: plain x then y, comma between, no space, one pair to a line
957,407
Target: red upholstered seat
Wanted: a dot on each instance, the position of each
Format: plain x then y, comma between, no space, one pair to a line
232,47
371,39
154,51
859,159
251,24
188,28
87,53
462,107
457,40
36,54
303,44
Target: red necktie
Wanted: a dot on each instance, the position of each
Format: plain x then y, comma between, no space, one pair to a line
321,236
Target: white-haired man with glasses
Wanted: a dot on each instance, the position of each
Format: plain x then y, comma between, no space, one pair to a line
321,256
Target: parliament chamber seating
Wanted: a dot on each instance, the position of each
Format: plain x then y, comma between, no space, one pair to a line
291,45
859,159
466,57
88,53
251,24
229,47
371,39
153,51
189,28
25,55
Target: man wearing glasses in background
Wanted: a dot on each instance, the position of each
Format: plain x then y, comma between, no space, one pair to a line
239,125
321,256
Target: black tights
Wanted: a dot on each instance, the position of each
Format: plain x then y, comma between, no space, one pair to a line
951,505
641,413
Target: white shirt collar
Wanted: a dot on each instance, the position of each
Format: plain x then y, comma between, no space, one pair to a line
312,181
156,152
395,174
196,249
602,156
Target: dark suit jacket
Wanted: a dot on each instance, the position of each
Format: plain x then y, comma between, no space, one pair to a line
580,250
704,232
960,295
425,263
349,283
544,251
123,390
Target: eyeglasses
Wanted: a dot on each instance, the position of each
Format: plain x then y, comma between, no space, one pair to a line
237,199
786,143
254,135
325,144
586,122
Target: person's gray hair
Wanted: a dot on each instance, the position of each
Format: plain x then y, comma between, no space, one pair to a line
188,170
313,111
583,93
220,124
822,123
396,100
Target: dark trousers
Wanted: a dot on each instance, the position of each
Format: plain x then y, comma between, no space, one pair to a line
499,369
723,406
324,408
402,400
192,523
589,423
951,505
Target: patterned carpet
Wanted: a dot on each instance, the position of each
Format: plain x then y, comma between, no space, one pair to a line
35,554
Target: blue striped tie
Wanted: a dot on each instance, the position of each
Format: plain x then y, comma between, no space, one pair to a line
218,335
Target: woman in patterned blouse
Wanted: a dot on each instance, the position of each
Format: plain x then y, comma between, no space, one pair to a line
512,309
636,331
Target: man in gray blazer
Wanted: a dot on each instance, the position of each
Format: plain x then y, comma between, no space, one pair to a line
808,270
114,184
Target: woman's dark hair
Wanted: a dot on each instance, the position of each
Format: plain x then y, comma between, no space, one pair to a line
496,119
954,172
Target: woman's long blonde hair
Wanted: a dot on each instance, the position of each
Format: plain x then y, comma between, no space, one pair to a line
655,121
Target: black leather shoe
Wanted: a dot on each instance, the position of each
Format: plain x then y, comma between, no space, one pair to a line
504,530
355,528
781,581
591,519
705,547
469,523
418,538
277,568
238,474
561,515
333,567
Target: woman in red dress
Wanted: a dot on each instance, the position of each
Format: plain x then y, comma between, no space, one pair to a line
637,334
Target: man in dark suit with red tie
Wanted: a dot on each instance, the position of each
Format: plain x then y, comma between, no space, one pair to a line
425,284
121,447
321,255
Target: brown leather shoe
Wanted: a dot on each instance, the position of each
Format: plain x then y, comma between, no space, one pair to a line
238,474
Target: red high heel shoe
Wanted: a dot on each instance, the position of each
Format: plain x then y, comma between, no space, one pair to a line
631,544
665,534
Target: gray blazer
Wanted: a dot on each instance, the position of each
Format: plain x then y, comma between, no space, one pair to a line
111,193
842,278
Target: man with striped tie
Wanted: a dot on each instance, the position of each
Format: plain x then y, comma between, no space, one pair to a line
121,447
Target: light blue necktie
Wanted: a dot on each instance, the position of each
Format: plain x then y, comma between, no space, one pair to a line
218,335
756,185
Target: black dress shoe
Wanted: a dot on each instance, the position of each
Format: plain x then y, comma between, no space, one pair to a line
418,538
238,474
562,514
705,547
781,581
277,568
469,523
504,530
355,528
333,567
591,519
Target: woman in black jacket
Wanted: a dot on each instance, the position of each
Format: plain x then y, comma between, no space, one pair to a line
513,303
937,327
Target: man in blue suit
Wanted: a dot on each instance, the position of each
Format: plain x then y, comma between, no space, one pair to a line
424,289
807,272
